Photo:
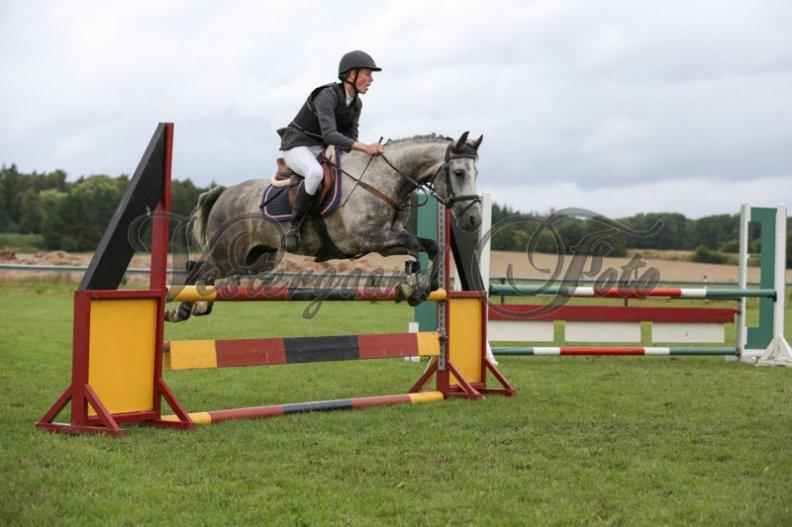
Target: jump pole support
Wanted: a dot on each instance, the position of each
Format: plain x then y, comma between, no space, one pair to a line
765,344
778,351
111,323
762,345
118,334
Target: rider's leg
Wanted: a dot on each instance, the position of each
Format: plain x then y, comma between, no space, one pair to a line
302,159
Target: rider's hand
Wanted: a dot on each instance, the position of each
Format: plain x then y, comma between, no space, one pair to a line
374,149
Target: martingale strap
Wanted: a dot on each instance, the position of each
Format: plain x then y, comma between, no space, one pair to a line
372,189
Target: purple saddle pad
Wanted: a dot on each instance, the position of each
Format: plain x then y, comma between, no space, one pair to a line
275,200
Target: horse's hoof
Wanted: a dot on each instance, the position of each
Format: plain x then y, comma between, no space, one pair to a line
201,309
403,292
418,296
185,310
172,315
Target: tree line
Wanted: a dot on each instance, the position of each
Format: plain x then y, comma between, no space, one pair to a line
710,238
72,215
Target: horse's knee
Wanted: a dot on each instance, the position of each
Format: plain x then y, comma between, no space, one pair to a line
430,247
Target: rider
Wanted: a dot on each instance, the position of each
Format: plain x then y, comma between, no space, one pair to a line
329,116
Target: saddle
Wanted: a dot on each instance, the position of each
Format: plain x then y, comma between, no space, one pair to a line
286,177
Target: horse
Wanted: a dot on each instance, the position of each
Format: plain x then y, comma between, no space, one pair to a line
227,224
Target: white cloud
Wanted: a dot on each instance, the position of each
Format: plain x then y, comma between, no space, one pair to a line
571,94
699,196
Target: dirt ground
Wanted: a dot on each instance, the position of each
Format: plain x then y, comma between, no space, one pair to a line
670,270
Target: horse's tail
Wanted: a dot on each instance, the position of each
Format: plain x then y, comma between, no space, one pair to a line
200,213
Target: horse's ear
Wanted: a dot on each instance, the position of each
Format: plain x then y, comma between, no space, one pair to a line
461,142
477,144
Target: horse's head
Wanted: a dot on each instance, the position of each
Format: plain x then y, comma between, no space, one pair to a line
457,184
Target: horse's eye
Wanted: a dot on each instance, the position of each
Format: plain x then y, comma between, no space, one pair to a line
459,172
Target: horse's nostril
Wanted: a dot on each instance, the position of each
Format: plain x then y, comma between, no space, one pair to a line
472,221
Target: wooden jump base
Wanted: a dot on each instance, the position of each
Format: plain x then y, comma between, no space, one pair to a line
612,351
117,352
536,323
527,312
763,344
263,412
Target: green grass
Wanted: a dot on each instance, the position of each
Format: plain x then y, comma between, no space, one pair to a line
587,441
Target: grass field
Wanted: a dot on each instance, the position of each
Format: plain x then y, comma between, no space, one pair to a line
587,441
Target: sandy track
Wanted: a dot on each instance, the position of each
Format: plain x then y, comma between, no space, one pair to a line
670,270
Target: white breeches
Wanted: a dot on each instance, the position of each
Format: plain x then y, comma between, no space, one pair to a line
302,159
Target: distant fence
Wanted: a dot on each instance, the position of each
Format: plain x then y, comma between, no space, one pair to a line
307,277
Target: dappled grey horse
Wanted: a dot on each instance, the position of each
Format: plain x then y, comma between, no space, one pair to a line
236,241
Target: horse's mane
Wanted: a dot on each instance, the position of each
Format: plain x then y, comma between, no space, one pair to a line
426,138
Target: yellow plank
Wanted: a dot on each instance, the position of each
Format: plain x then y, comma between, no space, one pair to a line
464,343
428,344
121,365
191,354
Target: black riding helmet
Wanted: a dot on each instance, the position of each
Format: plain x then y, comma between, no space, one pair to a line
354,60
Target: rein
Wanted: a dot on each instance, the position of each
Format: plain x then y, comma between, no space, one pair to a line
428,187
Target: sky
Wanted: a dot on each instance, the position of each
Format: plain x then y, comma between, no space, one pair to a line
619,107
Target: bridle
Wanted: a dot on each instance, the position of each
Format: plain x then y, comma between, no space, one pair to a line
453,199
428,187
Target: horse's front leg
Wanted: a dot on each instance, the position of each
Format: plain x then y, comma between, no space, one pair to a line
432,251
393,242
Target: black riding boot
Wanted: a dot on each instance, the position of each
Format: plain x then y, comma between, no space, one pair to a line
302,206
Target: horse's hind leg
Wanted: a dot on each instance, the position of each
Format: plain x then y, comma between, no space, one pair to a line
194,270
